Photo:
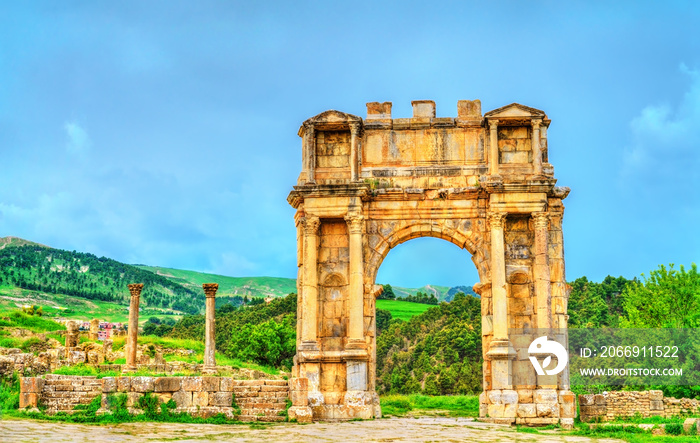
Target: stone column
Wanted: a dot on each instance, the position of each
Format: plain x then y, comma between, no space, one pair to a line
536,148
356,294
309,339
94,329
132,339
354,151
311,154
500,351
209,337
498,276
493,147
543,289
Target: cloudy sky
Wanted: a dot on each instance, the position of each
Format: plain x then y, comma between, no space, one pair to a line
164,132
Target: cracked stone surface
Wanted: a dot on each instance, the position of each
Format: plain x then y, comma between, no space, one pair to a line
424,429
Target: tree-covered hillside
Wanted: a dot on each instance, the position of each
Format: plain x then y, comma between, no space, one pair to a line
55,271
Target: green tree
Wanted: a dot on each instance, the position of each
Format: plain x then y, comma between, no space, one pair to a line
388,293
668,298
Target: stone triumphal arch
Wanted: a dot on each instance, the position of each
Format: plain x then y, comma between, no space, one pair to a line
482,182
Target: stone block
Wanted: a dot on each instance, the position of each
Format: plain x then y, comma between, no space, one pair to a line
527,410
227,384
183,399
546,396
656,395
28,399
600,399
192,384
132,399
656,405
567,409
299,398
221,398
509,397
109,385
211,384
547,410
124,384
495,397
525,396
200,398
302,414
167,384
495,410
142,384
31,384
586,399
690,424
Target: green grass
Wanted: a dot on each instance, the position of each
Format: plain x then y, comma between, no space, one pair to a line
445,405
167,343
228,286
402,309
632,434
18,319
75,308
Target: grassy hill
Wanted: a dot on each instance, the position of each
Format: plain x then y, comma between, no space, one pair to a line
228,286
76,283
16,241
402,309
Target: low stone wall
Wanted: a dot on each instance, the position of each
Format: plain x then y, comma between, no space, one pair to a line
617,404
258,400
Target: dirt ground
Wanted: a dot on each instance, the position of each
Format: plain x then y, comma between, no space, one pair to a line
424,429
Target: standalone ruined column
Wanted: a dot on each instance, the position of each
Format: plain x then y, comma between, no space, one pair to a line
310,288
493,147
210,339
356,297
543,285
354,150
132,339
536,148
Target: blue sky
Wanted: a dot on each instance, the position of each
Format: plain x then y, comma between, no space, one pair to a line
164,132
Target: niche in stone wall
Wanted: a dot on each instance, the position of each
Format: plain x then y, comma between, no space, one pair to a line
515,144
333,321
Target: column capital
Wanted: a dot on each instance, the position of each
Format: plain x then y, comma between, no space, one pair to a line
536,122
135,289
496,219
493,124
311,225
354,127
355,223
541,219
308,128
210,289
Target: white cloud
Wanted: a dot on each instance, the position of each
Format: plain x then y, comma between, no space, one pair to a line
666,140
79,142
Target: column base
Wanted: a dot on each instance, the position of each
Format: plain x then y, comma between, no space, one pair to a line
209,370
129,368
356,343
309,345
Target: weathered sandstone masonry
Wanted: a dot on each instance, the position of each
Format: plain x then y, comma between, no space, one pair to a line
482,182
258,400
132,338
618,404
